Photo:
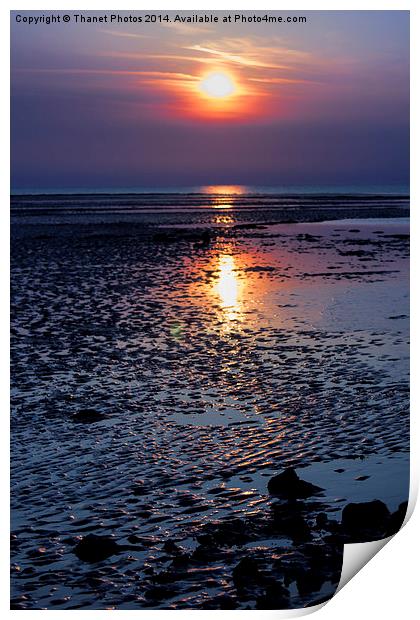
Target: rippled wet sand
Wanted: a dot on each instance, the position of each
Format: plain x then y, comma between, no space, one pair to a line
212,366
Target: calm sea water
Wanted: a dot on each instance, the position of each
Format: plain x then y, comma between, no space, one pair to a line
178,205
226,189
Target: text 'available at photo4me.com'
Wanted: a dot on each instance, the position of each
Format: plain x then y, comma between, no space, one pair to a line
162,18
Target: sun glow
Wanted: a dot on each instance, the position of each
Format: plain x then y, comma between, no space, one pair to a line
219,95
217,85
223,190
221,195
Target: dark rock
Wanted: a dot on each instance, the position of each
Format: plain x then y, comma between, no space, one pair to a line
308,237
167,576
320,600
355,253
206,553
170,547
309,581
93,548
400,236
162,237
88,416
397,519
321,520
204,240
133,538
333,526
205,539
292,525
181,561
336,539
316,555
145,541
139,489
70,540
247,570
365,518
159,593
276,596
290,486
226,533
224,601
259,268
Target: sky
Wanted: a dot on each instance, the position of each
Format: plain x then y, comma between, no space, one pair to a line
113,105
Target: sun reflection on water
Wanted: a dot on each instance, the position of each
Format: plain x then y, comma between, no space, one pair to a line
224,190
230,284
223,196
223,220
228,288
222,205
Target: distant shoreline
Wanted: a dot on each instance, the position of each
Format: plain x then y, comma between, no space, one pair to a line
201,210
224,189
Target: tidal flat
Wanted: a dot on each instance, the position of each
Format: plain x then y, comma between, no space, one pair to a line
164,372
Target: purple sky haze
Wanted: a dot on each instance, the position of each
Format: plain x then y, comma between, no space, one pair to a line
114,105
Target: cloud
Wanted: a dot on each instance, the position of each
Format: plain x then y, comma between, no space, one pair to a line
269,80
179,28
126,35
268,53
249,62
76,71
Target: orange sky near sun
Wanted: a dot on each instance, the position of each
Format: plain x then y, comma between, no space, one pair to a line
311,103
273,78
270,80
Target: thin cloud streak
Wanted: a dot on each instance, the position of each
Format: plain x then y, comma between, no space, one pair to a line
126,35
234,58
162,74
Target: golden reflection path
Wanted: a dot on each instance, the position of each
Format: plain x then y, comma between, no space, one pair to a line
221,195
228,287
224,190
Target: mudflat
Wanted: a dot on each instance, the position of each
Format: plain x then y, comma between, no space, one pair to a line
165,370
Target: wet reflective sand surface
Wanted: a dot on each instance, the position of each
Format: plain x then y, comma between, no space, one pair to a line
210,364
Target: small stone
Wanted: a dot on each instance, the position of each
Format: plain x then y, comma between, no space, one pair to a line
134,539
397,519
170,547
159,593
276,596
293,525
224,601
357,518
247,570
181,561
88,416
93,548
289,485
139,489
321,520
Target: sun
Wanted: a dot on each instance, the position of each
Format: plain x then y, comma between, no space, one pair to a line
217,85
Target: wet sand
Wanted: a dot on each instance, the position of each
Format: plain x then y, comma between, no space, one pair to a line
163,375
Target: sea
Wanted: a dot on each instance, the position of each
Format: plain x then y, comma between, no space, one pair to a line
177,205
